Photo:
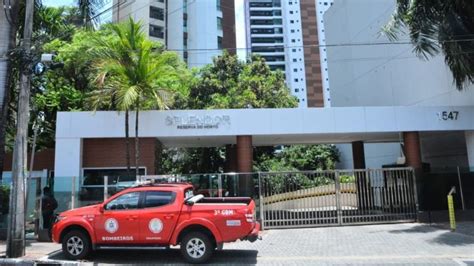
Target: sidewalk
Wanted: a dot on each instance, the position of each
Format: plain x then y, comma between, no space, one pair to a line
399,244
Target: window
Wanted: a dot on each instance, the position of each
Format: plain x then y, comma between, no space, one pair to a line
219,23
297,90
219,42
296,80
295,70
158,198
292,21
156,31
127,201
294,60
267,40
218,5
157,13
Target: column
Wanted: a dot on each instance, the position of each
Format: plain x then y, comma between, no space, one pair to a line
470,148
358,154
67,164
412,149
244,151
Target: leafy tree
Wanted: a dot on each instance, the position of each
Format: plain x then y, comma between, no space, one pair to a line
436,26
226,83
230,83
300,157
134,73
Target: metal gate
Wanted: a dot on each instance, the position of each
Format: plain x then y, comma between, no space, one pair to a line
338,197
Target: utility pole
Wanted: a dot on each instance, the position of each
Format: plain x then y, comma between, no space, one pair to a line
16,225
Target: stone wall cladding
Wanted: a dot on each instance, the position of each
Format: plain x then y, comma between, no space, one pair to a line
43,160
228,26
110,152
314,87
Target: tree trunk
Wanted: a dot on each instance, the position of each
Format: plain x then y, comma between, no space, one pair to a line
127,143
16,226
8,37
137,145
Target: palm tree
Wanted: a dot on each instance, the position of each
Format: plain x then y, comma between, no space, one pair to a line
135,73
89,11
439,25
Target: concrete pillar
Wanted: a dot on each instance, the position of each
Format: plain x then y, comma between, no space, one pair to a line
470,148
412,149
67,164
230,164
358,154
244,150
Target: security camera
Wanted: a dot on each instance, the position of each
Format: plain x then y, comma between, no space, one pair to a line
47,58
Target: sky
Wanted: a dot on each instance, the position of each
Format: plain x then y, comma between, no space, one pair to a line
239,21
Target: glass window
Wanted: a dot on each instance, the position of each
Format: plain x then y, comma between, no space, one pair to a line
156,31
219,42
158,198
127,201
219,23
218,5
157,13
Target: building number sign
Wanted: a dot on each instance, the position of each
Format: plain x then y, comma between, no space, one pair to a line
448,115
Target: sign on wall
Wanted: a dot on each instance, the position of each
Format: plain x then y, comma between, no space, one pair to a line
198,121
448,115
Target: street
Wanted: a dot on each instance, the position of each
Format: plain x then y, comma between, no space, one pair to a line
394,244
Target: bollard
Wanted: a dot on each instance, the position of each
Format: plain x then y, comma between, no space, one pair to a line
452,218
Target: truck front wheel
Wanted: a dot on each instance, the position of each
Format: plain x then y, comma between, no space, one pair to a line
76,245
196,247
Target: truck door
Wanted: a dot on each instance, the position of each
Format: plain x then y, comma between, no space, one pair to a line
119,223
159,216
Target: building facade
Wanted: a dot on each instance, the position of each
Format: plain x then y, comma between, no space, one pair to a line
198,30
285,34
365,69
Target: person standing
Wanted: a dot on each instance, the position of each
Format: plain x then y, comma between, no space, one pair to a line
48,205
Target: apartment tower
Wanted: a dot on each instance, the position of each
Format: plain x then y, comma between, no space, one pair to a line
197,29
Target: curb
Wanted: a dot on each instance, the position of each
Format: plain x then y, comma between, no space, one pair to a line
28,262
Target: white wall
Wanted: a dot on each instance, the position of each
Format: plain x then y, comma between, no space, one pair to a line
294,42
175,26
202,32
388,75
376,155
381,75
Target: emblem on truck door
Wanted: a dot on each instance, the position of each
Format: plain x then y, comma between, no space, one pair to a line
155,225
111,225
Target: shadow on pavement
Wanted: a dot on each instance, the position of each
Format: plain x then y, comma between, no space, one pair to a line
416,229
170,256
446,238
454,239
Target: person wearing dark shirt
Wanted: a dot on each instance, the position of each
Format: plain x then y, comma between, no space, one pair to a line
48,205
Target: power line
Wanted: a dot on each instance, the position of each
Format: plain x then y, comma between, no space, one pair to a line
314,45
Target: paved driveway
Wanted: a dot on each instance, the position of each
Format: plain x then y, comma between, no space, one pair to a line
393,244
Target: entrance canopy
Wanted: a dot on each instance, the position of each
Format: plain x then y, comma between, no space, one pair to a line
205,128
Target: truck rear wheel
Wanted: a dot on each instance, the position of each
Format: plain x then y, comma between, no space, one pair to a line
76,245
196,247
